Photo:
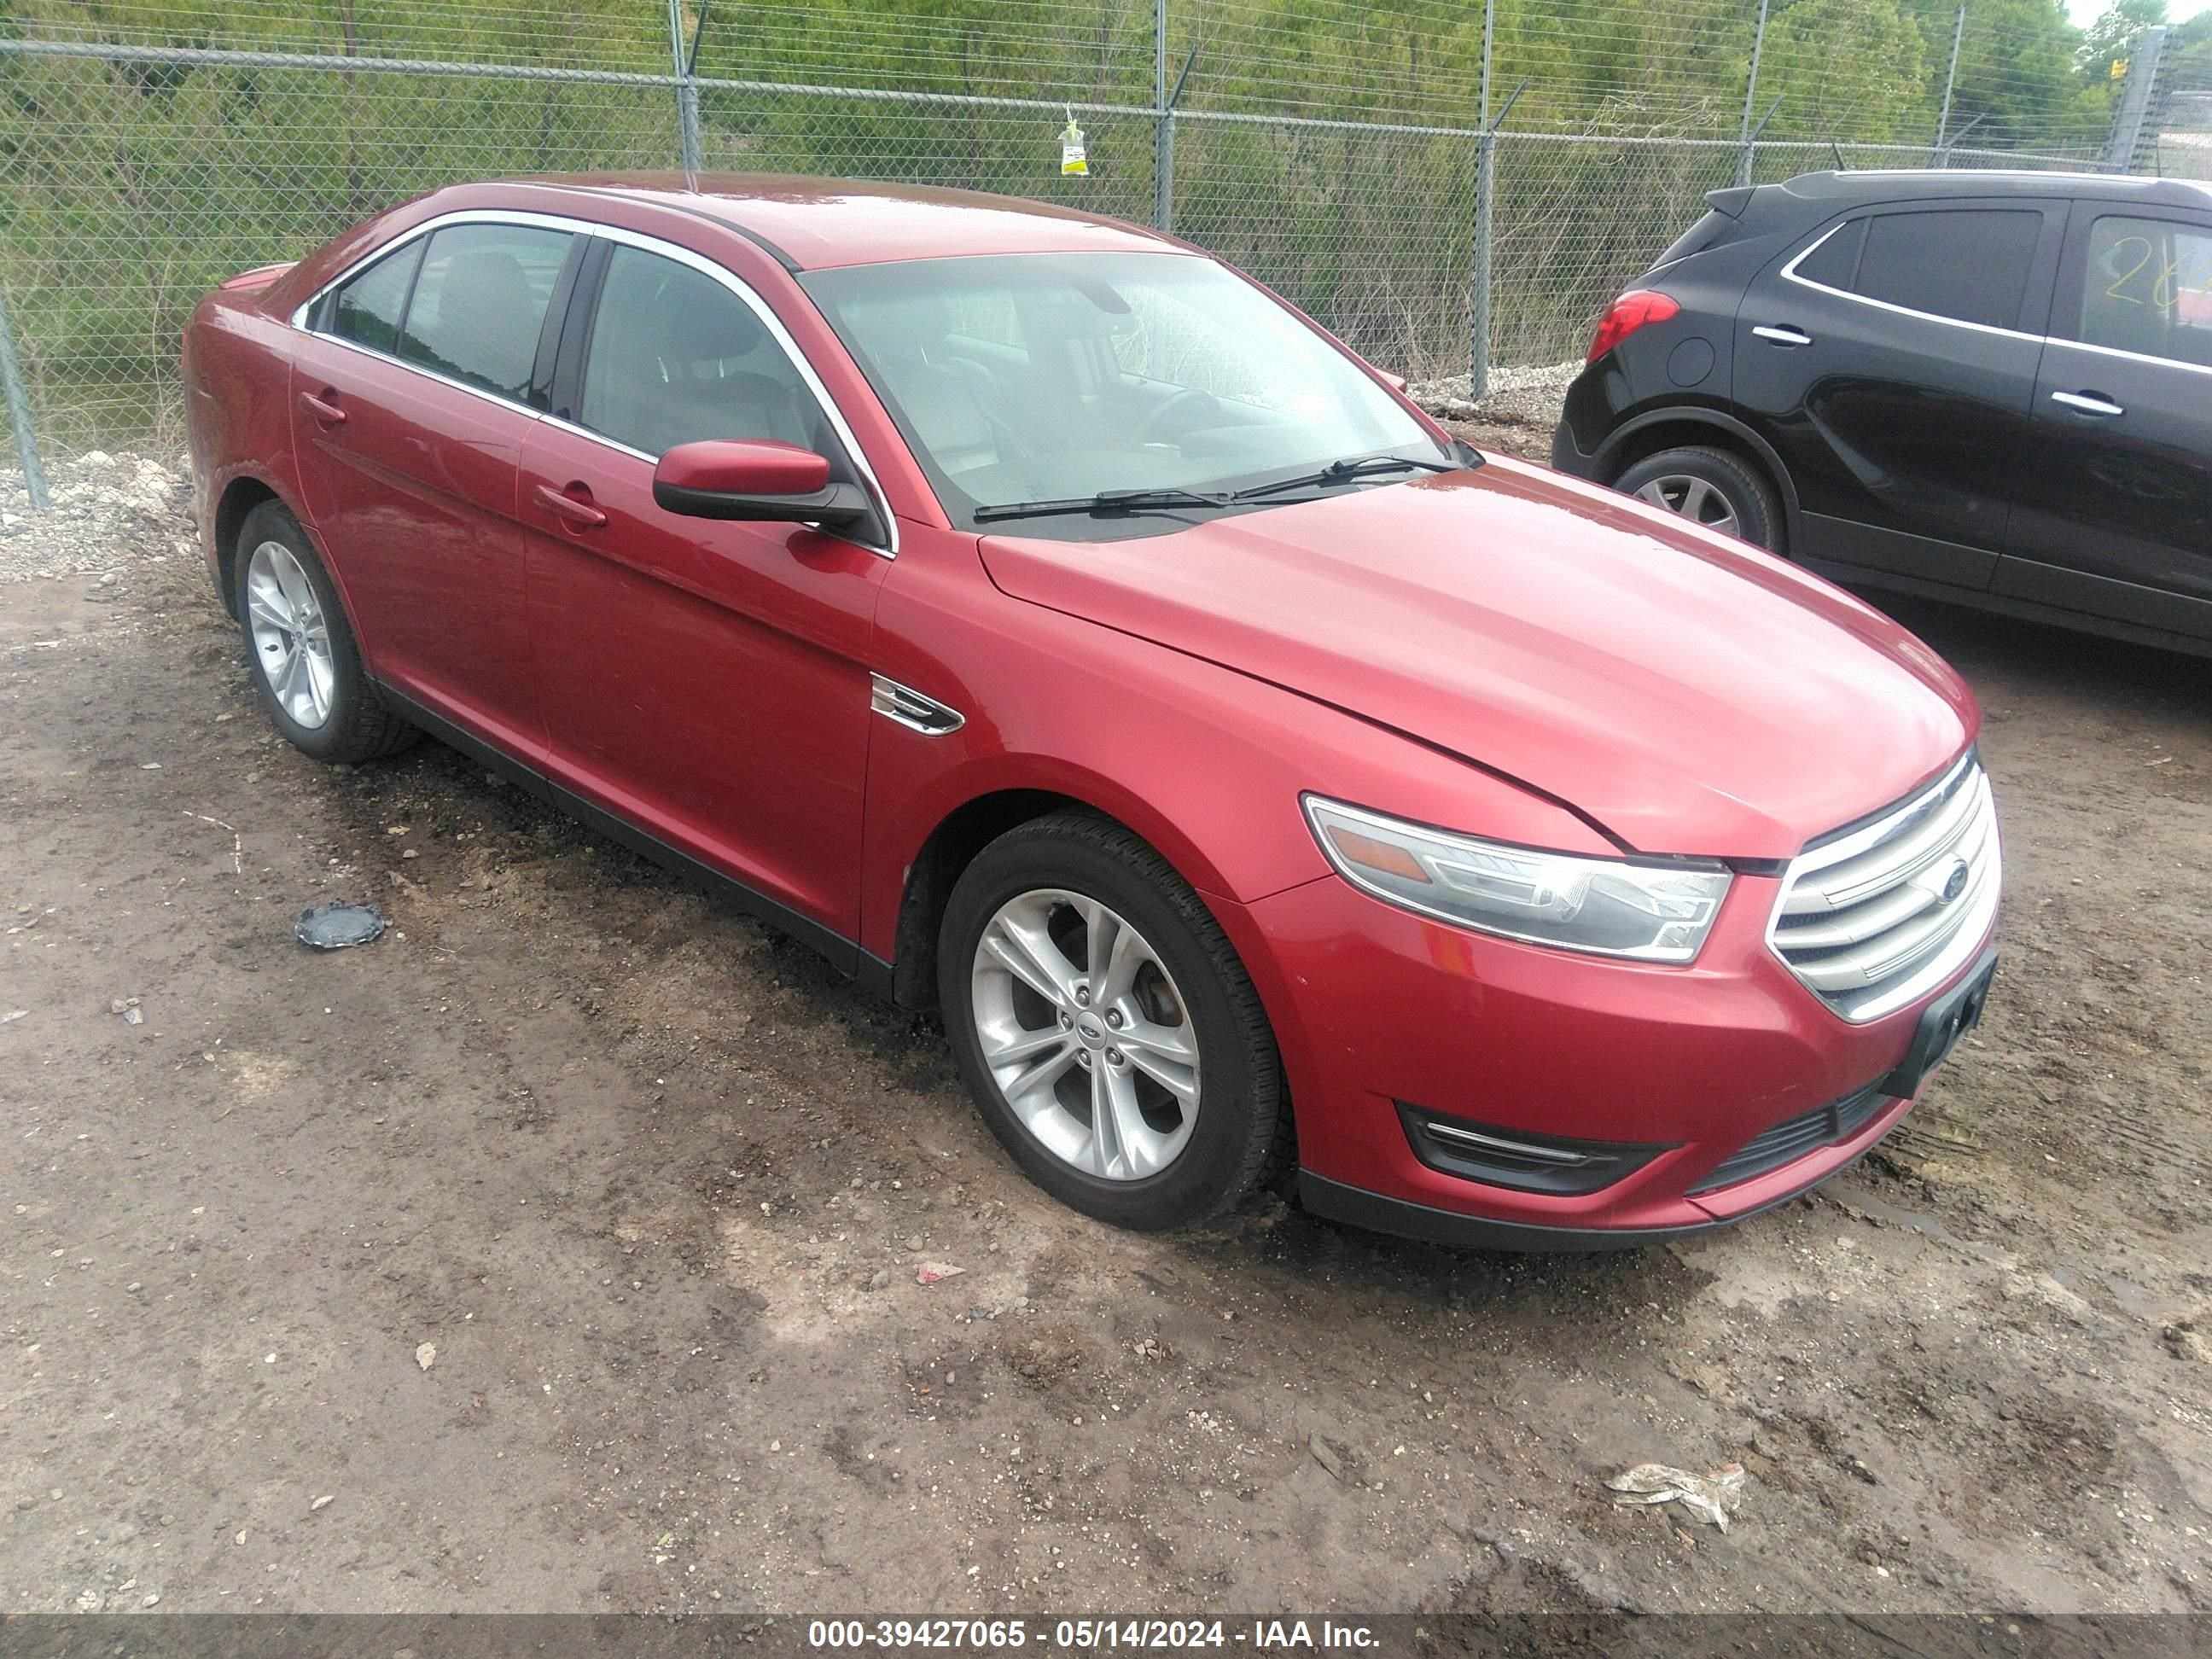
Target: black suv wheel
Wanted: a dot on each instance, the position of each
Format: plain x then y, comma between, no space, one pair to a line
1710,487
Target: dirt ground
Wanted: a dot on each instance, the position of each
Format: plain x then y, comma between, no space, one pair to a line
656,1188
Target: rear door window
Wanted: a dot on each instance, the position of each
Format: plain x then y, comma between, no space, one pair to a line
480,304
1970,264
2147,288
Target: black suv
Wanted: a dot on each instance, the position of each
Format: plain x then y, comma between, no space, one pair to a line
1989,387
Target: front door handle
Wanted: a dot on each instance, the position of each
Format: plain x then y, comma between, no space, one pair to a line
328,413
562,504
2089,403
1782,335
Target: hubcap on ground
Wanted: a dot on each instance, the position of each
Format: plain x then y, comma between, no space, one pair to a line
291,635
1086,1034
1693,498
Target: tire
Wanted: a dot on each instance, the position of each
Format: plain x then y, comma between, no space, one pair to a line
1735,498
1178,1165
304,662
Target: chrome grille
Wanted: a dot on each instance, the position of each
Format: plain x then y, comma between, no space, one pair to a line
1877,916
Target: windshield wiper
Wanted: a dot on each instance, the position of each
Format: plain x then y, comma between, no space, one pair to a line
1106,501
1344,471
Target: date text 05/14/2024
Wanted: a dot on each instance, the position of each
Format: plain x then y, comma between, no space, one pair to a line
1088,1635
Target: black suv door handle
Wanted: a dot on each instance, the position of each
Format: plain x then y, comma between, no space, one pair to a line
2089,403
1782,335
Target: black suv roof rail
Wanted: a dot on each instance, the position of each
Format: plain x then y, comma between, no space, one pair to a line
1906,182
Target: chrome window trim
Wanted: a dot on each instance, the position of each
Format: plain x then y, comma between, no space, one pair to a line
2131,356
616,233
601,438
1790,274
491,398
1965,944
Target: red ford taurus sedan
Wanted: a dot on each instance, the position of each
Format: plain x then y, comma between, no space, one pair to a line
1049,625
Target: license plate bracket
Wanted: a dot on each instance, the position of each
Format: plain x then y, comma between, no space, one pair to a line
1942,1024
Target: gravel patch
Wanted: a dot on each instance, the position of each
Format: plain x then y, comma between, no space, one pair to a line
1530,395
107,516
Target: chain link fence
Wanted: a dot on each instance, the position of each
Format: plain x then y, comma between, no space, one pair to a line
1447,187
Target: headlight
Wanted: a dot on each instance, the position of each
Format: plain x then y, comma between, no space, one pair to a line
1651,912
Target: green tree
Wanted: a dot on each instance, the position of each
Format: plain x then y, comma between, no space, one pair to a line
1845,68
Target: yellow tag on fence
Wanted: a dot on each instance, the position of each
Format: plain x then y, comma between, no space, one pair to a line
1071,158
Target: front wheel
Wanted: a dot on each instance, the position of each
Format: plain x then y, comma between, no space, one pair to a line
1110,1035
1711,488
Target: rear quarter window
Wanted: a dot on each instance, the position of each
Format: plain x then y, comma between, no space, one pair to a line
365,309
1834,261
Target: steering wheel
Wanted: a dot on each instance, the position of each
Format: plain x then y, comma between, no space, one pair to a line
1158,418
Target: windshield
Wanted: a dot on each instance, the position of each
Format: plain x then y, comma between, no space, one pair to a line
1018,378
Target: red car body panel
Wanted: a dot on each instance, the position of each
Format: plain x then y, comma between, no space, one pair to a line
427,478
1478,611
713,659
1499,652
1523,1037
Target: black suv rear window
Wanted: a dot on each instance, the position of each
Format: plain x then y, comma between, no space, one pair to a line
1969,264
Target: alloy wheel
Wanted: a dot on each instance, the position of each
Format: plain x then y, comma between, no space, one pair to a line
1086,1034
291,635
1693,498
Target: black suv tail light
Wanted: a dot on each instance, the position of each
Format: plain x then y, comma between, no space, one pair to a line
1631,311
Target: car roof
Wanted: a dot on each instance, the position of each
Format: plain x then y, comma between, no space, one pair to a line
1836,189
812,223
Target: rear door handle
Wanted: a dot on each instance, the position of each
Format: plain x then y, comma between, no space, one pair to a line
563,505
328,413
2089,403
1782,335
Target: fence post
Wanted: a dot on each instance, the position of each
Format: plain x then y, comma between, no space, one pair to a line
1486,169
1162,126
1950,85
1746,144
2124,147
18,413
687,90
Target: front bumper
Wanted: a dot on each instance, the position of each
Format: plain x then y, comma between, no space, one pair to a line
1374,1006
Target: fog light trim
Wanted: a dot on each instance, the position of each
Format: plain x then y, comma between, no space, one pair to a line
1518,1159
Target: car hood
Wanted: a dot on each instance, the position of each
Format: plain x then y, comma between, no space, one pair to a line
1688,693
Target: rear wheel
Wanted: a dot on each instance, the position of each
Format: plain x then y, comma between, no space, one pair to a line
1106,1028
1711,488
305,661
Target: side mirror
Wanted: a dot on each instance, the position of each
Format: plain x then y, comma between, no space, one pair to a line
763,480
